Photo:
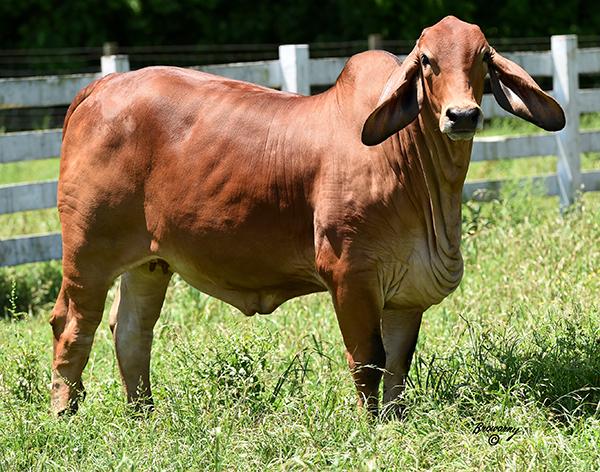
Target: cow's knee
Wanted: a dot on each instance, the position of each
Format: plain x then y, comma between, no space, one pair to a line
58,316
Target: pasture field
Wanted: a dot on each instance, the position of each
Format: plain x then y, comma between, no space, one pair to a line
506,374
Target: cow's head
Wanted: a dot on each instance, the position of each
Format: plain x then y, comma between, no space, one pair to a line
445,74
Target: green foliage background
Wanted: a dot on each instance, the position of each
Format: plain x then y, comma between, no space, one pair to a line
74,23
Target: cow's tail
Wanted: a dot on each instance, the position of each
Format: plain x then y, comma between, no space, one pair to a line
79,98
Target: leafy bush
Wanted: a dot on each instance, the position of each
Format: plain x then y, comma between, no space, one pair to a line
29,288
33,23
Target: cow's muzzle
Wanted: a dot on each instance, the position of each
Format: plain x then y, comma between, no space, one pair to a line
461,122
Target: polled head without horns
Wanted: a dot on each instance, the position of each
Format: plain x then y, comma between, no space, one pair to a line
443,78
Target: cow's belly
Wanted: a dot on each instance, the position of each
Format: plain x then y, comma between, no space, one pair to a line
250,301
253,276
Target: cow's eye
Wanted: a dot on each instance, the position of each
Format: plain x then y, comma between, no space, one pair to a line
425,60
486,56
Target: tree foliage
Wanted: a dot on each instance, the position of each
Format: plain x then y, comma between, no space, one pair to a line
74,23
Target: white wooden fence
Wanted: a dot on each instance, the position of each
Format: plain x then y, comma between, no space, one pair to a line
294,71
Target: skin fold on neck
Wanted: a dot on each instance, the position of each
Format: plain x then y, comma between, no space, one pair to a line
439,164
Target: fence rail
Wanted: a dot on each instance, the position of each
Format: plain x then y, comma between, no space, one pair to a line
295,71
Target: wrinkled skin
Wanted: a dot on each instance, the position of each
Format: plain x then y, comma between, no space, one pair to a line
255,196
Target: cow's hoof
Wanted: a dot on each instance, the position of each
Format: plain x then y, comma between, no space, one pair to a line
141,408
64,400
394,411
61,407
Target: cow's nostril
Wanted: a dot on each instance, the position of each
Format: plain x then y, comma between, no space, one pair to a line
463,116
472,115
452,114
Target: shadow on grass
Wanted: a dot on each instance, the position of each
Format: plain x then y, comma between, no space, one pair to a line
557,368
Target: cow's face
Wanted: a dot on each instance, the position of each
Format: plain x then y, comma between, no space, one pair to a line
453,62
444,76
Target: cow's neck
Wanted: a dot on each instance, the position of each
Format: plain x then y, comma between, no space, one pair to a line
438,166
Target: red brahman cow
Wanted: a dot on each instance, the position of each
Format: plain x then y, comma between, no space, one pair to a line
256,196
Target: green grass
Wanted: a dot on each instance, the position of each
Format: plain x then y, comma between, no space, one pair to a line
29,222
37,221
526,167
26,171
517,345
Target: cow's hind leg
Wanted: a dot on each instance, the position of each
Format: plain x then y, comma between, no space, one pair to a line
74,320
134,313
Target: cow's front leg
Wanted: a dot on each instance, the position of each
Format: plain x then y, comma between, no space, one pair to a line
358,312
400,331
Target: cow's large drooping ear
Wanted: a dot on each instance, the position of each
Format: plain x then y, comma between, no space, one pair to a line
517,93
399,104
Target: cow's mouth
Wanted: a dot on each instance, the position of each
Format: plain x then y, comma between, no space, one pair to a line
460,134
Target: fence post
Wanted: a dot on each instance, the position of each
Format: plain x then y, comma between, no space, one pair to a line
375,41
295,68
566,86
114,63
110,48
